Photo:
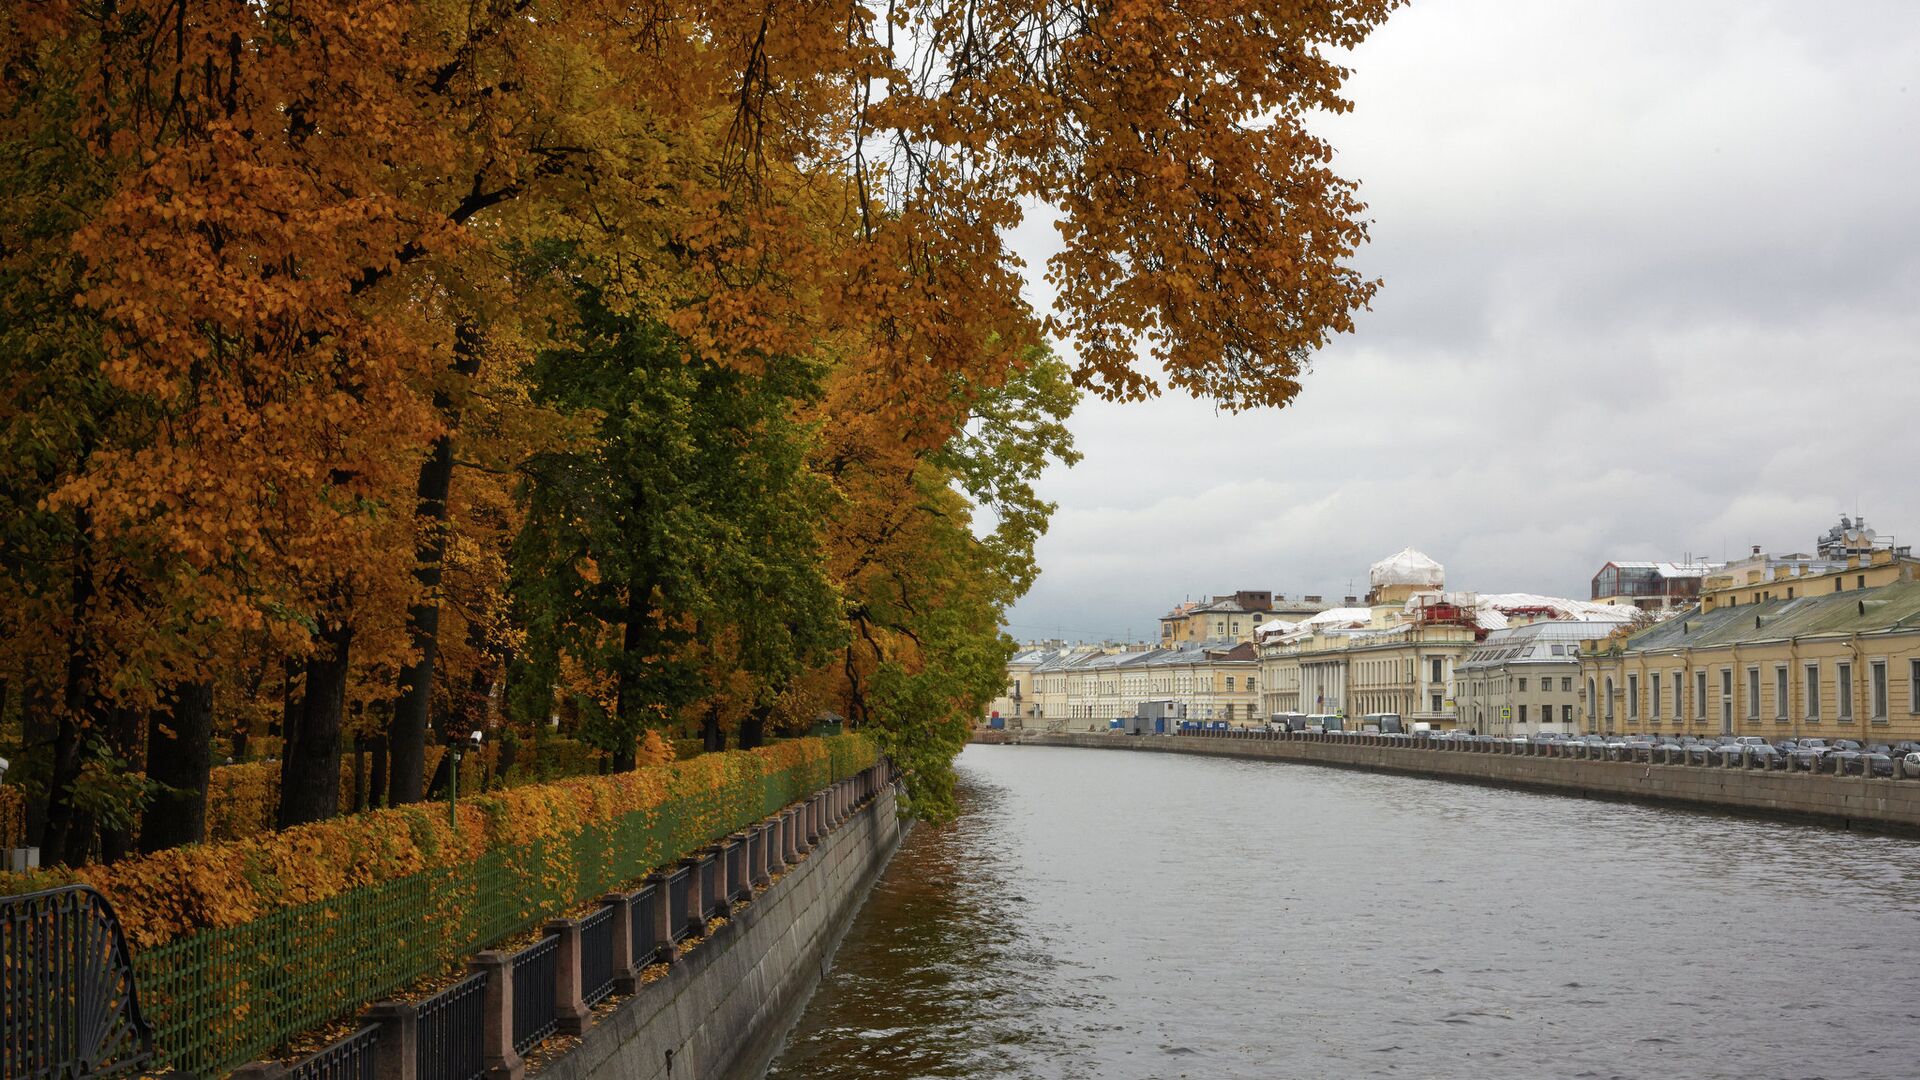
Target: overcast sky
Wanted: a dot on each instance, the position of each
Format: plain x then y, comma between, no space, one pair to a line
1652,286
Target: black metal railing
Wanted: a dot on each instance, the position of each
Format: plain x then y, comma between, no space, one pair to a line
450,1037
679,902
644,908
68,1006
738,888
596,956
350,1058
711,902
533,992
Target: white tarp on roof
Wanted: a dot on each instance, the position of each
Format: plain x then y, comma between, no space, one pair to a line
1340,616
1274,628
1490,608
1407,567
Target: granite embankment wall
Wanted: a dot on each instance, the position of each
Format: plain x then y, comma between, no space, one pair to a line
723,1008
1846,801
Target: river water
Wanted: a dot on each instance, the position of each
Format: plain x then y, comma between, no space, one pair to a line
1103,914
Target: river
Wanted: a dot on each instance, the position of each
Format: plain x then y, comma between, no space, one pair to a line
1103,914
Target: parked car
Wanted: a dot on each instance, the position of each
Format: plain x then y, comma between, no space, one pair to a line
1910,765
1877,764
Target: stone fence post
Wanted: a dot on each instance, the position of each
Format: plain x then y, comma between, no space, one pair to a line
626,966
665,952
396,1049
496,1029
569,1004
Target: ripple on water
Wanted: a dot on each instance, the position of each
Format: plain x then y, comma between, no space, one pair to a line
1098,915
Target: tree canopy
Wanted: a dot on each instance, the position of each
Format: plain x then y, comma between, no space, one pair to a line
378,371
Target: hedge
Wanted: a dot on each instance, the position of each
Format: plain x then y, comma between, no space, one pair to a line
238,946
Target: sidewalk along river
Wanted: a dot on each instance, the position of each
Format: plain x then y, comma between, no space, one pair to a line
1094,914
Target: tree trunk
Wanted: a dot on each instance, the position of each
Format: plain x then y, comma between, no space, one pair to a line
179,756
753,727
65,840
634,640
407,732
509,750
310,788
377,783
38,727
437,788
711,737
124,730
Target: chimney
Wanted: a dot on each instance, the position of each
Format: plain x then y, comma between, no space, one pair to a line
1756,551
1351,600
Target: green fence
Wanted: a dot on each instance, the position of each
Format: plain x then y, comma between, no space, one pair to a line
220,998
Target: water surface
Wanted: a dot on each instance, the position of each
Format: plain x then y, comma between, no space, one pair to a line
1102,914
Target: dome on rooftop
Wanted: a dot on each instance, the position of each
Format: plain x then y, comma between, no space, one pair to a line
1408,567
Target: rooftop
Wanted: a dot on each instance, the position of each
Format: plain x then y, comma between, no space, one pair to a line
1886,609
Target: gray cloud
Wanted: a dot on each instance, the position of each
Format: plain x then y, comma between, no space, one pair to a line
1651,273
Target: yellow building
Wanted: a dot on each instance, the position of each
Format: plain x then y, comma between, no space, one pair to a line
1780,655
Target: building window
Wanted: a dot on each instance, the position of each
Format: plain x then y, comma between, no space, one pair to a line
1843,683
1436,703
1229,684
1633,698
1609,699
1567,684
1523,686
1437,676
1566,714
1249,684
1653,695
1726,699
1913,686
1780,692
1593,700
1700,696
1523,714
1813,693
1753,693
1877,675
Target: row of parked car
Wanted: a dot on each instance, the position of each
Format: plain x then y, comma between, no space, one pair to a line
1843,757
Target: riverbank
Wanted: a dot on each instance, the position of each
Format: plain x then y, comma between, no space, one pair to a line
1847,802
722,1010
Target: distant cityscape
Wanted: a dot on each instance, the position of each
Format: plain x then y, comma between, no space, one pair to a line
1780,645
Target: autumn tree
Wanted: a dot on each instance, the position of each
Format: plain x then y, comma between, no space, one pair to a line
265,331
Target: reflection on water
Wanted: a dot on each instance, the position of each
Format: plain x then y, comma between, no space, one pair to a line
1100,914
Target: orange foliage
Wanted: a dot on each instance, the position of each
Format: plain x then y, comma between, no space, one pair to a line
13,818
